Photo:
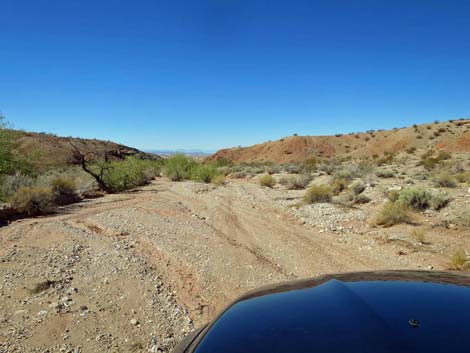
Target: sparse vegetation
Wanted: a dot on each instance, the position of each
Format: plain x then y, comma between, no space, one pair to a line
420,199
459,261
33,201
357,187
393,213
444,179
419,235
296,182
318,193
267,180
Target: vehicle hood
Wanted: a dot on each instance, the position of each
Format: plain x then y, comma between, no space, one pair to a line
375,312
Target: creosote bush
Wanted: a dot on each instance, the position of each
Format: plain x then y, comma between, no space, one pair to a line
267,180
393,213
318,193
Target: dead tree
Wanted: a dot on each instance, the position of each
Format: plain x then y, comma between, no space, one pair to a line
81,159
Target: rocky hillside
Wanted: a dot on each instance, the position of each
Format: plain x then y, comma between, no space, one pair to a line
451,136
55,151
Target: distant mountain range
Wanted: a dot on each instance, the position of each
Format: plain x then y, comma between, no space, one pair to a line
188,152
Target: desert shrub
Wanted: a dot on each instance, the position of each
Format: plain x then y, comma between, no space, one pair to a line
411,150
439,200
178,167
296,182
445,180
238,175
392,195
416,198
33,201
463,219
223,162
9,184
204,172
462,177
64,191
273,169
292,168
218,179
127,174
339,185
357,187
267,180
11,161
383,173
419,235
360,199
420,199
318,193
393,213
387,158
459,260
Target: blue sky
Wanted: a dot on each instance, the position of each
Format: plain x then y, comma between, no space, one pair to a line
216,73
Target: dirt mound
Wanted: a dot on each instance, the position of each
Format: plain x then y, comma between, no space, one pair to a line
452,136
56,151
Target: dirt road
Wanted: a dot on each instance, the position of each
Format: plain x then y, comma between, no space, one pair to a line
135,272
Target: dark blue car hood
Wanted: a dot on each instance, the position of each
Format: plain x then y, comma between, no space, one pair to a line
387,312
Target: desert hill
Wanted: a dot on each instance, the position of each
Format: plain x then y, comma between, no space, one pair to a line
55,151
451,136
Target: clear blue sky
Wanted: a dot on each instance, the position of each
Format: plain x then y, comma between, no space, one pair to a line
207,74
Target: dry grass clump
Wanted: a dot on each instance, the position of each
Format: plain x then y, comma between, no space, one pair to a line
318,193
33,201
459,261
339,185
267,180
218,180
393,213
419,235
64,191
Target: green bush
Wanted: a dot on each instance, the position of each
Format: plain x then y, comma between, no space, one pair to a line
393,213
204,172
11,161
415,197
127,174
267,180
33,201
318,193
178,167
